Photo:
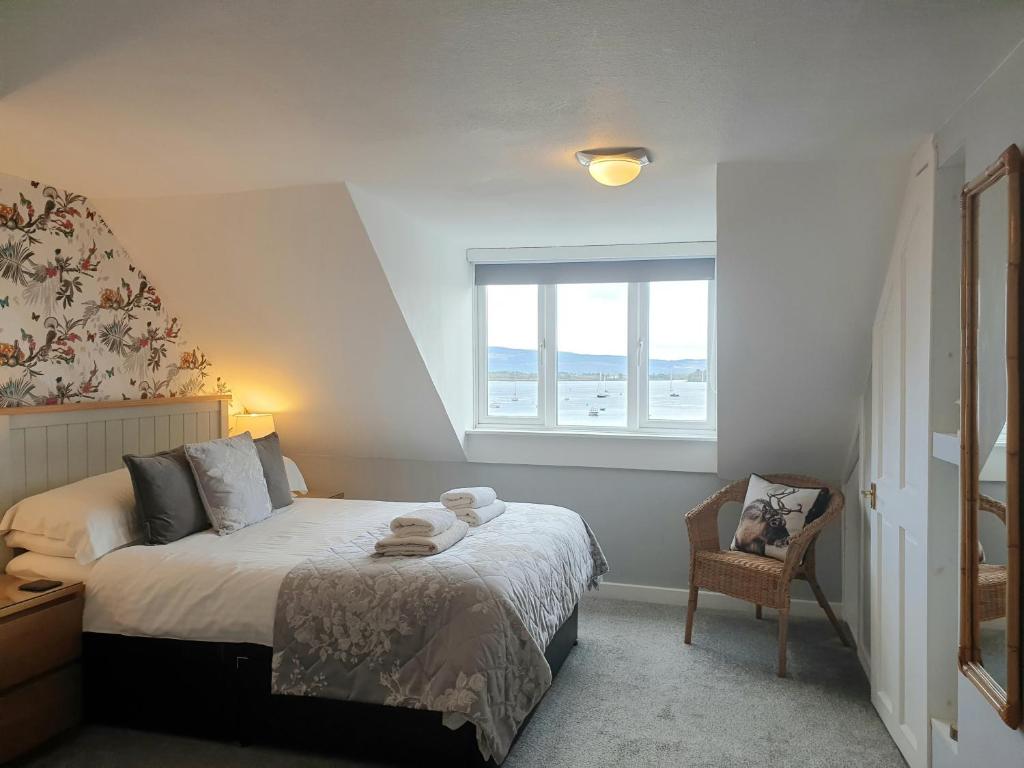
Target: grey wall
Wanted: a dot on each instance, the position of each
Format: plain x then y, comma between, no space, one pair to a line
637,515
802,253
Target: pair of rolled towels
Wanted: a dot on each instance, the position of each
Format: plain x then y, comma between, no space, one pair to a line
475,506
430,530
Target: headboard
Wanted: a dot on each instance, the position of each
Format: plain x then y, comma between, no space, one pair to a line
49,446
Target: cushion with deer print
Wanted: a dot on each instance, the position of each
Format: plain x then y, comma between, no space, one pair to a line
773,513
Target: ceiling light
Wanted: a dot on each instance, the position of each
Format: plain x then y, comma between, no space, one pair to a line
616,166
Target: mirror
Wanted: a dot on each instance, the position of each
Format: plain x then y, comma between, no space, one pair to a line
990,431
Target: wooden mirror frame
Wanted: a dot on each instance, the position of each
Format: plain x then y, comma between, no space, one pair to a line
1007,703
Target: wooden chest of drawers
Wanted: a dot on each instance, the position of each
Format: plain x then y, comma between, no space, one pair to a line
40,679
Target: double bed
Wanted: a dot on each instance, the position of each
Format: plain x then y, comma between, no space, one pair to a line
293,629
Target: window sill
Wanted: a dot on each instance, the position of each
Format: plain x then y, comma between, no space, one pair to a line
659,451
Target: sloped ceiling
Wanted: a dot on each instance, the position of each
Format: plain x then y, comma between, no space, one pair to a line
462,117
298,314
433,285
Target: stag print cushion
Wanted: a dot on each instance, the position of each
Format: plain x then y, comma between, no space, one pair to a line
772,513
230,480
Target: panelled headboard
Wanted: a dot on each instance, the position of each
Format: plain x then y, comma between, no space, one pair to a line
50,446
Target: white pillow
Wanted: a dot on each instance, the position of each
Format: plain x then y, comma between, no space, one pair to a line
44,545
33,565
92,516
296,482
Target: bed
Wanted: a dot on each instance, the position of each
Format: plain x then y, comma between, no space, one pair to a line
293,630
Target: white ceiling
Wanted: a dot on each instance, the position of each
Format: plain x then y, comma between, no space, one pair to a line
468,111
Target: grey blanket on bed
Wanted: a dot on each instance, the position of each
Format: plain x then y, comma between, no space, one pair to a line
462,632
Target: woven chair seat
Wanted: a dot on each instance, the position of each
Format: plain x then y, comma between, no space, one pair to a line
739,574
991,592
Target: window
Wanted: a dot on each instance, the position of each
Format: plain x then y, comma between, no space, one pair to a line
677,352
593,354
598,356
513,352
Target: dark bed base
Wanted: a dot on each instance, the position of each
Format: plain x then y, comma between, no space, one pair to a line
222,691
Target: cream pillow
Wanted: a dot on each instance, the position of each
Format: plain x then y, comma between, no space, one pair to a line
33,542
92,517
296,482
33,565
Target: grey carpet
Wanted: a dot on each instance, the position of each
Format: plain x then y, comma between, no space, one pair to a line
631,694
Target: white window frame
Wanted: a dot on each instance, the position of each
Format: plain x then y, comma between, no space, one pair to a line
637,388
482,415
643,317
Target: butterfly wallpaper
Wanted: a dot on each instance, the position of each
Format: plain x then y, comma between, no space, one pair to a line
78,321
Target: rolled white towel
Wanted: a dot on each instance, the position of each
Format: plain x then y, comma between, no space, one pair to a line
425,521
421,546
481,515
463,498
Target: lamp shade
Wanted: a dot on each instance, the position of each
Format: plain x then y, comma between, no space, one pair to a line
614,166
256,424
614,171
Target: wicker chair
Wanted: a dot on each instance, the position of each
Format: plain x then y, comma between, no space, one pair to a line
756,579
991,595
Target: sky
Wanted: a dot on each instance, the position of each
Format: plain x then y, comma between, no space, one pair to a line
592,318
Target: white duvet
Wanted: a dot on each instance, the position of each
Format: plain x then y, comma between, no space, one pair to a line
219,588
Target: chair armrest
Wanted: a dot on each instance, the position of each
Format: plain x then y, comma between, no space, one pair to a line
702,520
988,504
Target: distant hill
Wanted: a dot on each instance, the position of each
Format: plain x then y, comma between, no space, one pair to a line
524,361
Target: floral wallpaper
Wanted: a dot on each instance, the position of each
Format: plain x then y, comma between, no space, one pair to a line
78,321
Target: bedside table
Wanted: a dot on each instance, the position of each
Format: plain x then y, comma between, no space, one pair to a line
40,678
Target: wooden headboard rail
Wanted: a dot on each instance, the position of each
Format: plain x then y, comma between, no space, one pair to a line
49,446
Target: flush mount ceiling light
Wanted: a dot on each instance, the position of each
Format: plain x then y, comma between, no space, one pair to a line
614,166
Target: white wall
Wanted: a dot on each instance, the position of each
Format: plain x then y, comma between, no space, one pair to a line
991,120
943,477
287,294
802,249
433,284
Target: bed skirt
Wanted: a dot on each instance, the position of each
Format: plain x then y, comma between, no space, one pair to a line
222,691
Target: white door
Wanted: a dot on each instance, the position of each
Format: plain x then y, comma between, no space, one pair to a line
899,469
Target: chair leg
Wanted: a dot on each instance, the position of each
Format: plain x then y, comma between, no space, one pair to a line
828,609
783,622
757,611
691,608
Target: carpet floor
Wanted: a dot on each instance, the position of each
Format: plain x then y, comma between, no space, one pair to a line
631,694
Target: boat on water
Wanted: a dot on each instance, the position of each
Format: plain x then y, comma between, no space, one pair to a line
602,390
593,411
515,391
672,385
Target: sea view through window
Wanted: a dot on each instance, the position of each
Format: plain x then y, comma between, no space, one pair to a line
589,326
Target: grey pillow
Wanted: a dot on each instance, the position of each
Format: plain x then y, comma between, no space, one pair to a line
269,450
166,498
230,480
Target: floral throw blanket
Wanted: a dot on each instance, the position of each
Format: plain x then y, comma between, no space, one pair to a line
462,632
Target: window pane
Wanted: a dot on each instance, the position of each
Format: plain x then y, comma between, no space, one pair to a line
512,354
592,354
678,351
